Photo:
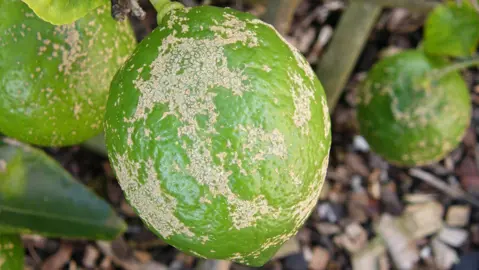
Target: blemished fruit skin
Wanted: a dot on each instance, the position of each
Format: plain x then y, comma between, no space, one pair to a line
54,80
219,134
11,252
410,120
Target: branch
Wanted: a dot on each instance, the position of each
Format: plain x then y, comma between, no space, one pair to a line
136,10
412,5
120,9
453,192
280,14
346,45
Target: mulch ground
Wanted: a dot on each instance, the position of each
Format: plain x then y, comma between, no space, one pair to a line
371,215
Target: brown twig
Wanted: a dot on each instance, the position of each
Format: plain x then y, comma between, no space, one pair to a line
136,10
435,182
412,5
345,47
120,9
280,14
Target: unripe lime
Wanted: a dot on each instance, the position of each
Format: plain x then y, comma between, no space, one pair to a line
11,252
54,80
219,133
407,115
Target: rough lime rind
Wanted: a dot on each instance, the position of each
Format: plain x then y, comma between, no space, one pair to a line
219,133
54,80
11,252
408,119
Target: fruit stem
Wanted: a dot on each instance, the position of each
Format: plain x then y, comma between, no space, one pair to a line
162,7
439,73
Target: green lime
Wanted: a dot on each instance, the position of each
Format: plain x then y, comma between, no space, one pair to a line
55,79
11,252
407,115
219,133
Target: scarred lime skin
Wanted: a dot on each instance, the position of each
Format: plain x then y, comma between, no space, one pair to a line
54,80
219,133
408,119
11,252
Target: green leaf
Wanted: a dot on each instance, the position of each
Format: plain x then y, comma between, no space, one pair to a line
452,30
63,11
38,196
11,252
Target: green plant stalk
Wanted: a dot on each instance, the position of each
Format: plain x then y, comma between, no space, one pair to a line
346,45
162,7
280,14
427,80
460,65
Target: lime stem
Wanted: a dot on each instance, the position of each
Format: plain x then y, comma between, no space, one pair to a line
439,73
162,7
157,4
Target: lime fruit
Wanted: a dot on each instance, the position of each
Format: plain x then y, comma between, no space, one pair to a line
408,116
54,80
219,133
11,252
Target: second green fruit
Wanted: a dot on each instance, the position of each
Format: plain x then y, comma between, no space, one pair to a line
54,80
407,115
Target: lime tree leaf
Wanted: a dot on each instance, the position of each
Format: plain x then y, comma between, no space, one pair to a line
11,252
63,11
38,196
452,30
